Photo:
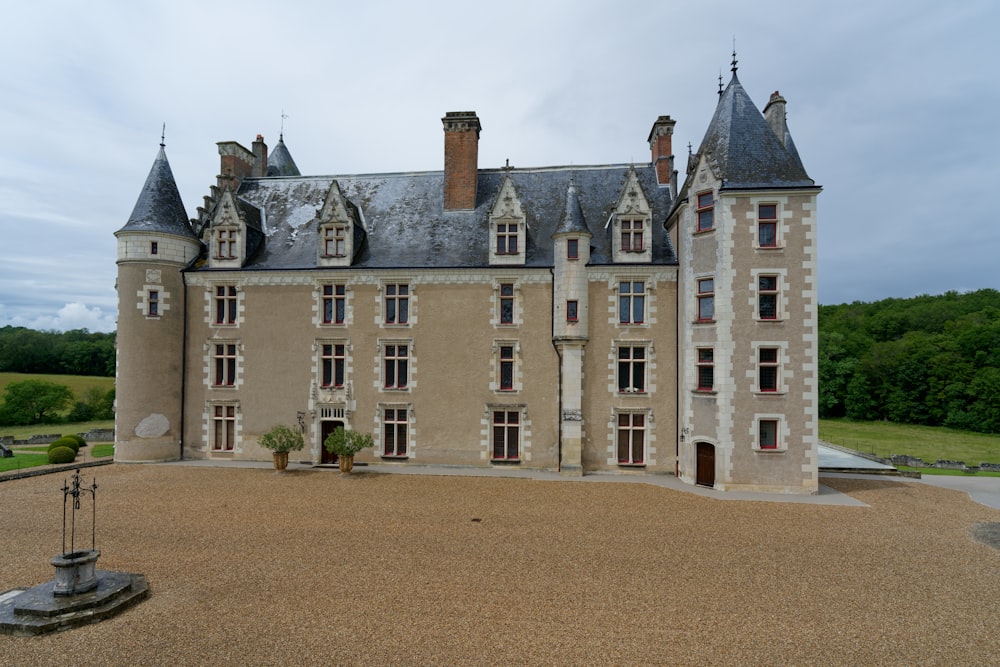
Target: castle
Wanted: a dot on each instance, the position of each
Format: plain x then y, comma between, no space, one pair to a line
579,319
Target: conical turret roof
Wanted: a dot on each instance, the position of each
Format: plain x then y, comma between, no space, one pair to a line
572,219
742,148
280,162
159,207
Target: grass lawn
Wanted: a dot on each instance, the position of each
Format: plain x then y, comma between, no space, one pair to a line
31,457
930,443
78,384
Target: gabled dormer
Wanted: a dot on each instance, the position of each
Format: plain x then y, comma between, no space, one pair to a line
340,233
508,227
632,224
233,234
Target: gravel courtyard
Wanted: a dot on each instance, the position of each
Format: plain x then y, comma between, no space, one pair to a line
246,567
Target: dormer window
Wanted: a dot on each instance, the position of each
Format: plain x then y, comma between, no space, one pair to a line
225,240
507,239
335,241
632,231
632,236
508,227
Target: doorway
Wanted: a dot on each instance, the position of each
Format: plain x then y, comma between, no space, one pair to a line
326,428
705,468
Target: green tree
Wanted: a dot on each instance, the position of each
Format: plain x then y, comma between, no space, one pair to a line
35,401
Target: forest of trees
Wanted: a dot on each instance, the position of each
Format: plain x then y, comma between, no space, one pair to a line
931,360
76,352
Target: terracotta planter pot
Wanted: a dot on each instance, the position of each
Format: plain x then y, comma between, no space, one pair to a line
346,463
280,461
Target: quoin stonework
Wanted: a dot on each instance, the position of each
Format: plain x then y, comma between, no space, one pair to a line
578,318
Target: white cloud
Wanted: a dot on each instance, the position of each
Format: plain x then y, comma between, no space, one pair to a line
70,316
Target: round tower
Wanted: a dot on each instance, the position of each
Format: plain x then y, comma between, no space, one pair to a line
153,247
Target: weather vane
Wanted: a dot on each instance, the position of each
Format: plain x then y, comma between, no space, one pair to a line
283,117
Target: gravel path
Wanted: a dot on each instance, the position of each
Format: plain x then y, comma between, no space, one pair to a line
311,568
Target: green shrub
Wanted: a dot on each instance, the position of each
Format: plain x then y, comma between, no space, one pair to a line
61,455
80,442
65,442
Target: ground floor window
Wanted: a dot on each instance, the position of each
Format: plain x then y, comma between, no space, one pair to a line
223,427
395,431
767,433
506,435
631,438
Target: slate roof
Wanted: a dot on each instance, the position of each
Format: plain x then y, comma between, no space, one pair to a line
280,162
159,207
407,227
572,218
743,150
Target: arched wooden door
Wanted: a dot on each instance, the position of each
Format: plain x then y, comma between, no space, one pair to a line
705,468
327,427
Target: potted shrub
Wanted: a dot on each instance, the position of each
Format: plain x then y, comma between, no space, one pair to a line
280,440
345,444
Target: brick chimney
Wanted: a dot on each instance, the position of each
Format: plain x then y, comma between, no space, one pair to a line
235,164
259,157
660,145
774,113
461,159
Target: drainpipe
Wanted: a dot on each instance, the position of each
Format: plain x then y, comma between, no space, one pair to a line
552,337
184,340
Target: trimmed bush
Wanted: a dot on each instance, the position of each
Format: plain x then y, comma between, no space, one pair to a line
80,442
61,455
65,442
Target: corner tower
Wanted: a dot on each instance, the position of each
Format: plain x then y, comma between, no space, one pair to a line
153,247
745,224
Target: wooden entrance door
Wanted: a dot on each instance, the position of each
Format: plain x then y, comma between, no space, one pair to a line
705,470
326,428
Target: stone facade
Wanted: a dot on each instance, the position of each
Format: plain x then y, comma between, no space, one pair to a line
541,318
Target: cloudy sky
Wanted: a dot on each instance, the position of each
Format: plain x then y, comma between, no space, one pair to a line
892,106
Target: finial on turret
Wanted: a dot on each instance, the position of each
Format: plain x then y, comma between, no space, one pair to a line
281,136
720,83
163,135
734,54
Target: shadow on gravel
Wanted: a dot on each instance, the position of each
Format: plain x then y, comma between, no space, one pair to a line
987,533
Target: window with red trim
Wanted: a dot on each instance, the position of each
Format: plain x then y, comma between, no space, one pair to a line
506,303
705,212
767,434
631,235
507,239
706,369
223,428
571,311
506,435
767,297
706,299
506,368
225,304
224,355
632,369
631,438
631,302
395,366
767,368
334,364
395,432
572,249
767,225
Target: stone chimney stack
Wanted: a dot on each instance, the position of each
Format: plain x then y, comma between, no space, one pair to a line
461,159
259,157
660,145
774,113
